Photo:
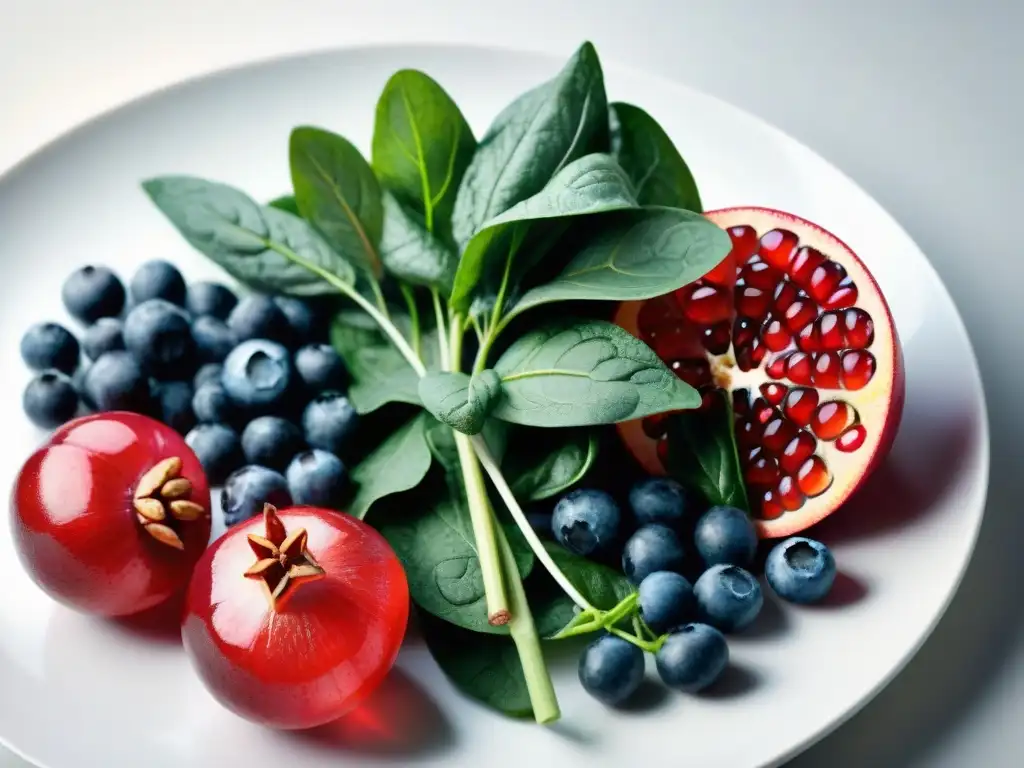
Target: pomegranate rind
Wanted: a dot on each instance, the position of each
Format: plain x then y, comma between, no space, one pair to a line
879,404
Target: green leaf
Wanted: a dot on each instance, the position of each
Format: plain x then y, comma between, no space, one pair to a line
602,586
531,140
659,173
412,254
433,537
702,454
422,146
631,255
573,374
267,249
336,190
398,464
285,203
460,401
484,667
441,440
592,184
540,472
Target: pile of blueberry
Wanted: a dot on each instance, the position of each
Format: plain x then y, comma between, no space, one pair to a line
248,381
693,572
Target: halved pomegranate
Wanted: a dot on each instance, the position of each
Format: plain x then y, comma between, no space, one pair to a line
792,324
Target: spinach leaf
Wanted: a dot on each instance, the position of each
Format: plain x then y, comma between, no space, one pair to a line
592,184
336,190
422,146
587,372
266,248
433,537
411,253
484,667
460,401
535,473
602,586
285,203
659,173
632,255
398,464
531,140
702,453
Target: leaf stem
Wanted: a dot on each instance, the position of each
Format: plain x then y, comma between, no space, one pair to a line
379,295
414,319
442,330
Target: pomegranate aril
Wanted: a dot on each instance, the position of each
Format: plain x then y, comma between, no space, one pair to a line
831,419
859,328
704,304
662,451
777,246
674,341
789,494
744,242
799,368
800,405
762,411
830,333
800,313
748,434
773,392
825,280
843,296
808,340
777,367
760,275
803,264
797,451
655,426
724,274
785,294
858,369
716,338
657,314
851,439
826,370
813,478
777,434
774,335
694,371
771,507
740,402
762,470
752,302
744,331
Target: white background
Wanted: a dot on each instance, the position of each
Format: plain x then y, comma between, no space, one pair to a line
919,101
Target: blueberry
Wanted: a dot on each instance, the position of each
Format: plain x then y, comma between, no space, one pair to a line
91,292
660,500
105,335
174,405
725,536
317,478
218,449
48,346
159,335
214,340
116,382
212,405
248,489
301,319
208,372
257,375
652,548
211,299
158,280
800,570
692,658
611,669
320,368
271,442
586,522
329,422
728,597
50,399
666,601
259,317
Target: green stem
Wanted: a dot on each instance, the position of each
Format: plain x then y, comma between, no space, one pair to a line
379,295
524,635
652,646
442,330
414,319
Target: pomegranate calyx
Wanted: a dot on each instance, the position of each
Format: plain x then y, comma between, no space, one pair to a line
161,499
283,562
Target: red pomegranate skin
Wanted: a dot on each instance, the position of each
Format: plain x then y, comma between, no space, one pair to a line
315,658
74,524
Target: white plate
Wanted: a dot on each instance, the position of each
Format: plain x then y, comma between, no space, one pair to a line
82,692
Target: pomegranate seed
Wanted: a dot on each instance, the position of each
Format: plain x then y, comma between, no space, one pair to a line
704,304
757,351
814,478
744,242
797,451
694,371
716,338
800,405
762,411
831,419
771,507
826,370
745,358
798,368
829,332
860,329
858,369
777,246
851,439
789,494
808,340
708,400
825,280
800,313
752,302
774,335
777,367
657,314
673,341
785,294
803,264
741,402
748,434
763,470
843,296
777,434
744,331
760,275
773,392
724,274
655,426
662,451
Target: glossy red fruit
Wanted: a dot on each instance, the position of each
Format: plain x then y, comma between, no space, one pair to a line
111,515
813,365
292,618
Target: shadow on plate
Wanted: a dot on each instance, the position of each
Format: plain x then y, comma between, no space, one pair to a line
161,624
847,590
650,696
771,622
737,680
